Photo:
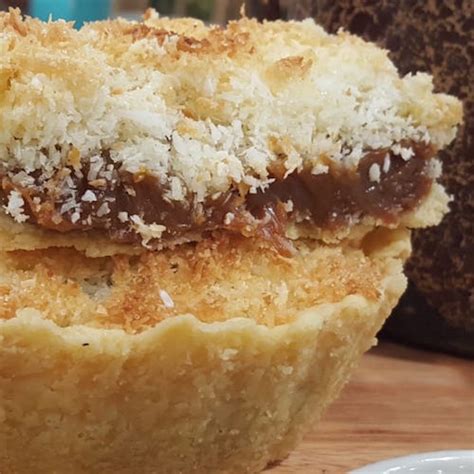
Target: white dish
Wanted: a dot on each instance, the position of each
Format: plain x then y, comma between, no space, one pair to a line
439,462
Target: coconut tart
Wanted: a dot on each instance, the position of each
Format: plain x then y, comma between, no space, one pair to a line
202,229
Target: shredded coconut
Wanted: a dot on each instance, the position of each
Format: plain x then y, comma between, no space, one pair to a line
89,196
22,179
96,163
386,163
229,217
288,205
166,298
103,210
15,207
123,216
407,153
320,169
147,231
68,206
404,152
374,172
434,169
200,129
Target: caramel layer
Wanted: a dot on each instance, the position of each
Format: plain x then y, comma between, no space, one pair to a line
113,200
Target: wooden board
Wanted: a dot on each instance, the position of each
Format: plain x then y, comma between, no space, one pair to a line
400,401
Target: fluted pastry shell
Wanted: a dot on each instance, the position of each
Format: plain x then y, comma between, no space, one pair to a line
182,395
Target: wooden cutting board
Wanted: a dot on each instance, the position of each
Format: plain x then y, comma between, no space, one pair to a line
400,401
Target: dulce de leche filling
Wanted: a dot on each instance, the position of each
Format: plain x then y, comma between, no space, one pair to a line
383,186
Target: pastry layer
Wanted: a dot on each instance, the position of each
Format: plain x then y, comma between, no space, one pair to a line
214,280
159,131
181,395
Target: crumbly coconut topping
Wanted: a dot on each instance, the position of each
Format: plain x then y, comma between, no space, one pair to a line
204,108
15,207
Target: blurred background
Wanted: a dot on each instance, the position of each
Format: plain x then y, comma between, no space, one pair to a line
215,11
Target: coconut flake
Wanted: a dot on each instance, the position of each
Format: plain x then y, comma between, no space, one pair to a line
68,206
166,298
96,163
386,163
147,231
75,217
23,179
288,205
320,169
229,217
103,210
15,207
374,172
89,196
407,153
434,169
123,216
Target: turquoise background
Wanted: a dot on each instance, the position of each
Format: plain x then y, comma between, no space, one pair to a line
77,10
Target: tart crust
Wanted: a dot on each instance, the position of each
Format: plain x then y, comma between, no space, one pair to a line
182,395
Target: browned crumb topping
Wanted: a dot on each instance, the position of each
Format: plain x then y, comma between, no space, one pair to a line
214,280
193,118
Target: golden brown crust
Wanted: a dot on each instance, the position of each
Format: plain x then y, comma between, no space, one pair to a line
215,280
183,395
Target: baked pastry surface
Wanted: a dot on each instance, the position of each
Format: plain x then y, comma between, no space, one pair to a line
132,395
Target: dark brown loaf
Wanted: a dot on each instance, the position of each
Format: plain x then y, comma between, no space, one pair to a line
436,36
